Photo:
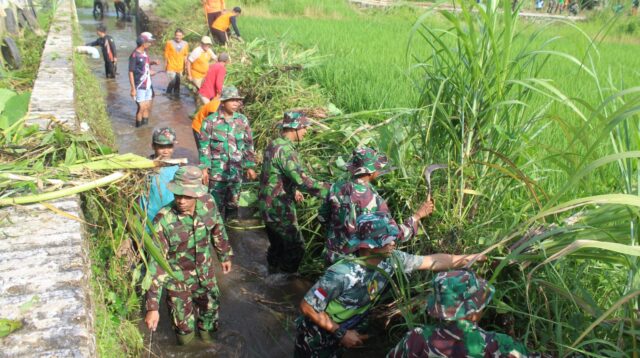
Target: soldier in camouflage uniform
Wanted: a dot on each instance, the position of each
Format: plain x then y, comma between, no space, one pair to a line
335,308
282,175
186,230
348,199
459,299
225,147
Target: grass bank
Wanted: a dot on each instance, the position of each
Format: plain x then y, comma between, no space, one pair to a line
115,297
90,102
89,98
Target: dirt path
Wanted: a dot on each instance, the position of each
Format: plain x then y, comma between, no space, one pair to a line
526,13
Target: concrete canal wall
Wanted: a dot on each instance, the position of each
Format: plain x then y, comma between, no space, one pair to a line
44,265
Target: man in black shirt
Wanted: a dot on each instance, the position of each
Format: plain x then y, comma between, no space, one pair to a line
108,51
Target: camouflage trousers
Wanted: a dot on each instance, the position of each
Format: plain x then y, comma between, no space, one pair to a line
314,342
183,296
286,247
226,194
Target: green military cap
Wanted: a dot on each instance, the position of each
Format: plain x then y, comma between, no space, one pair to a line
294,120
164,136
366,161
230,92
373,230
457,294
188,182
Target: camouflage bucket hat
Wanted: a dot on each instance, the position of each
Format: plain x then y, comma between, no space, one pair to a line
458,294
373,231
294,120
164,136
188,182
366,161
230,92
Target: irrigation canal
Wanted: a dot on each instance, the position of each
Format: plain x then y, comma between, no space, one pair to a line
257,310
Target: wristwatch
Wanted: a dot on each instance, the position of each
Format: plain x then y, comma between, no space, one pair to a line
340,332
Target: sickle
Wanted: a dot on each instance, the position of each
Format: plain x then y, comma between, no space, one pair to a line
427,174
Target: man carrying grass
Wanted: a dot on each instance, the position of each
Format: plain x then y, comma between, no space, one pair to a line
458,302
282,175
225,146
163,141
335,308
186,230
348,199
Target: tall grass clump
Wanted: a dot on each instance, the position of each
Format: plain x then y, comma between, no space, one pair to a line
567,268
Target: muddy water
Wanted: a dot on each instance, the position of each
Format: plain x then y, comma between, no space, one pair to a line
256,309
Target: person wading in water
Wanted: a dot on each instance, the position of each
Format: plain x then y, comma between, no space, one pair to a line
108,47
188,231
140,78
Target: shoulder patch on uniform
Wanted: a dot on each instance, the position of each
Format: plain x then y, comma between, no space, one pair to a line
320,293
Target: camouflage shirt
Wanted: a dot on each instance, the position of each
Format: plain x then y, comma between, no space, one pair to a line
281,175
349,288
186,241
457,339
348,199
225,146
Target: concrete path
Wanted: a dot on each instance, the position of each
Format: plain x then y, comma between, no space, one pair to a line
44,267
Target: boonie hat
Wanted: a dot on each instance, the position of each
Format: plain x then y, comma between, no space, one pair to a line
188,182
294,120
457,294
373,231
366,161
144,38
206,40
164,136
230,92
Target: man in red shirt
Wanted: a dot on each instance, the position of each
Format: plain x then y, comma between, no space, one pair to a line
214,79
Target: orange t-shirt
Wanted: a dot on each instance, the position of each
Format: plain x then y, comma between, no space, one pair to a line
223,21
200,62
174,58
213,6
204,112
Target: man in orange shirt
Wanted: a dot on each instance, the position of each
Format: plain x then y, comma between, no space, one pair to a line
222,24
213,8
203,113
175,54
198,61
